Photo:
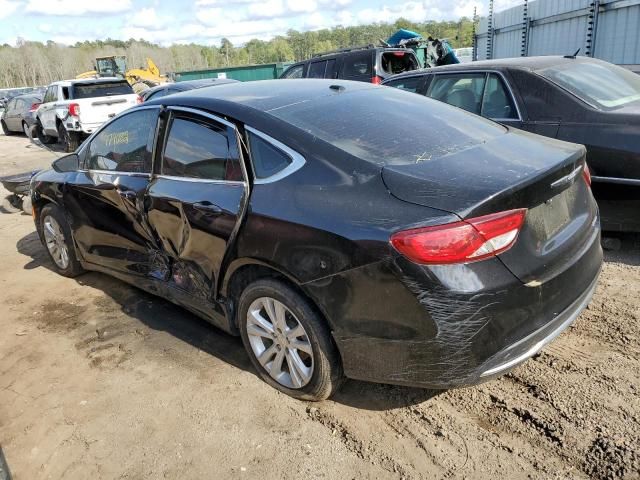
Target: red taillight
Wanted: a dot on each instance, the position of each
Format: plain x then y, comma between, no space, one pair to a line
376,80
399,54
139,100
74,109
586,174
461,242
34,107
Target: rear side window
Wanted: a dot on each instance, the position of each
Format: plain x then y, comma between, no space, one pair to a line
460,90
198,149
357,64
294,72
497,102
410,84
91,90
266,158
316,69
125,144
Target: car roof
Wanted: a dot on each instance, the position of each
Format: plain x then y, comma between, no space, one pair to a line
265,95
521,63
77,81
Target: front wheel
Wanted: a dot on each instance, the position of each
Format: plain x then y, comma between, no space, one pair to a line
68,140
43,137
288,342
56,236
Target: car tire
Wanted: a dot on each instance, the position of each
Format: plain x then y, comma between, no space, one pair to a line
306,366
57,240
68,140
26,129
5,129
43,137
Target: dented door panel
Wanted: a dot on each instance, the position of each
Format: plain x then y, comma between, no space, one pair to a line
108,225
193,238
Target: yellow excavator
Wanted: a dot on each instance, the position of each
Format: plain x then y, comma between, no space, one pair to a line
116,66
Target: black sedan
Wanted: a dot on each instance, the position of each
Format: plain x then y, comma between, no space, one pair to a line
19,114
577,99
171,88
305,217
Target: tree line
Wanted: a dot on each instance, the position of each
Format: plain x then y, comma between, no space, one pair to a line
35,63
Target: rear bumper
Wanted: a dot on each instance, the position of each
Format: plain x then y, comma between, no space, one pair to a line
449,326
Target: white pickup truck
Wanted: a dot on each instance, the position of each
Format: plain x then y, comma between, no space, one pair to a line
73,109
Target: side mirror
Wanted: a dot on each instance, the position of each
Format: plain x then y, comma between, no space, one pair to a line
68,163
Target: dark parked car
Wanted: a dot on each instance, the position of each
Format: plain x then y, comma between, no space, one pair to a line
19,115
577,99
304,216
364,64
171,88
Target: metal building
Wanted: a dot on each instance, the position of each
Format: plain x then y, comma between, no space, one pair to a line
606,29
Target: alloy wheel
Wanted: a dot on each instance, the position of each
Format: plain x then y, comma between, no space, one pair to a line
55,241
279,342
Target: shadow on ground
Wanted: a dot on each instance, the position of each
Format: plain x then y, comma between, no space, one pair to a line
161,315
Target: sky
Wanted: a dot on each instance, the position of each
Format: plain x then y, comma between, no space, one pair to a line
207,21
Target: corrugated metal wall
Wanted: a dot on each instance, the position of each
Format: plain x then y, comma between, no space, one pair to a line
560,27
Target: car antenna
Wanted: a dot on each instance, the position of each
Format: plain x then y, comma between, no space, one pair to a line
574,55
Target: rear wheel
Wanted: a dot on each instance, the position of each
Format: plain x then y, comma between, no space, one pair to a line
288,342
68,140
56,236
26,129
43,137
5,129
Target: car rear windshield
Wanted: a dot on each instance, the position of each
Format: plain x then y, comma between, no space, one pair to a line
398,62
105,89
389,126
601,85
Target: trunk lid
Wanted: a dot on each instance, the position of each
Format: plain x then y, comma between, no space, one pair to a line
516,170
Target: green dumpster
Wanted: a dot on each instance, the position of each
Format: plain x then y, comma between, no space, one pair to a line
244,73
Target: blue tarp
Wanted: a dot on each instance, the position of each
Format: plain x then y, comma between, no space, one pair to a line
402,34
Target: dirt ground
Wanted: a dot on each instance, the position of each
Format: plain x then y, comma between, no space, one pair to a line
100,380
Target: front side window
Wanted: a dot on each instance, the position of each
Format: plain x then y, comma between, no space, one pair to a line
124,145
267,159
201,149
460,90
410,84
497,102
294,72
599,84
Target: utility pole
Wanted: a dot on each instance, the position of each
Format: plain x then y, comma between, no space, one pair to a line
490,32
524,50
474,40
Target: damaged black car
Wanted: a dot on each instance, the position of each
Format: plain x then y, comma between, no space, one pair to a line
305,216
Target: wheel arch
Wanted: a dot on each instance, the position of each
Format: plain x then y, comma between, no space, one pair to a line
245,271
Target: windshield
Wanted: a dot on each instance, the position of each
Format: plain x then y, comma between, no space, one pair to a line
90,90
601,85
389,126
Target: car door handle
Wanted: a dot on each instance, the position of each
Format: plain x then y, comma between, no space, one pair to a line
208,208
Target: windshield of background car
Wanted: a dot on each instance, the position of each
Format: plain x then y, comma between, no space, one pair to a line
90,90
389,126
599,84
